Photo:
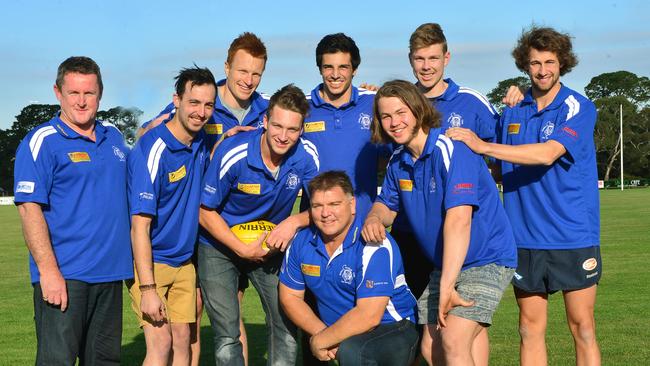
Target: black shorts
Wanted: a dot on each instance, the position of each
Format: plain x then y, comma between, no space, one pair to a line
552,270
416,265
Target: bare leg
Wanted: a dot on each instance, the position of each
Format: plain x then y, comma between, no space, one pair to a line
481,348
195,331
580,316
532,327
181,344
457,340
159,344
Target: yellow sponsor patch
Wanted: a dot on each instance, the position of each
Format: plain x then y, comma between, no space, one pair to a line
315,126
310,269
213,129
249,188
406,185
79,157
177,175
513,128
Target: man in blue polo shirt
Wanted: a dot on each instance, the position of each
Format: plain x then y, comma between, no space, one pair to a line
339,119
165,172
254,175
548,163
366,310
453,207
238,107
70,189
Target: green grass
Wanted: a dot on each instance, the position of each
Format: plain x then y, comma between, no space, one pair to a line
622,309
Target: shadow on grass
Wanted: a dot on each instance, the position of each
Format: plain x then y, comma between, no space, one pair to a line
134,351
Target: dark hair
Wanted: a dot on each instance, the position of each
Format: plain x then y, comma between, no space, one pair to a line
82,65
338,42
426,116
426,35
329,180
545,39
248,42
291,98
196,76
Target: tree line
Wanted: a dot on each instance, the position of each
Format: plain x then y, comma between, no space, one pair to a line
608,91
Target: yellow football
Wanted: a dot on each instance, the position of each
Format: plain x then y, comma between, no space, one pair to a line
248,232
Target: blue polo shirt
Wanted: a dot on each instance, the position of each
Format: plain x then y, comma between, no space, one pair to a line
461,107
241,188
165,183
446,175
355,270
556,206
222,119
81,187
342,137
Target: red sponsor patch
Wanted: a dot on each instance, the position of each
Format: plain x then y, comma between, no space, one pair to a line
463,186
569,131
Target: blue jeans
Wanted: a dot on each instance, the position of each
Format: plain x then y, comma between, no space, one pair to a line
90,329
219,271
391,344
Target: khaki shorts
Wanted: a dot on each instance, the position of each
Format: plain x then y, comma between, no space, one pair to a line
176,287
484,285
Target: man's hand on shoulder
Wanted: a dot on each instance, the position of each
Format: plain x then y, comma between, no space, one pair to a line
373,230
513,96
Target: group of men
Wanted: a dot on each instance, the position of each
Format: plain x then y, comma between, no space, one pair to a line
221,154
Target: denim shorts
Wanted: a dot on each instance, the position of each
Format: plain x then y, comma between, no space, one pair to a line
484,285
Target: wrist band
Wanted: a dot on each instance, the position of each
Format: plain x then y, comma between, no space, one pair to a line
151,286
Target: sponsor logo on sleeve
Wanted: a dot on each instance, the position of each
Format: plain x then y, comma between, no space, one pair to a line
370,283
177,175
347,275
213,128
317,126
210,189
79,157
25,187
310,269
513,128
249,188
406,185
364,121
571,132
463,188
146,196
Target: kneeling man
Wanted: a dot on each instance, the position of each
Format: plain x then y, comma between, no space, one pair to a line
367,311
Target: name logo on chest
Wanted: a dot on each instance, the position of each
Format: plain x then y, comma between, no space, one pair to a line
317,126
513,128
249,188
310,270
177,175
406,185
213,128
79,157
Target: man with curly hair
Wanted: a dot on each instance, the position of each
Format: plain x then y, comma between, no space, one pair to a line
548,163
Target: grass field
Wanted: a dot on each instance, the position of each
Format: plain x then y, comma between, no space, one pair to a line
622,309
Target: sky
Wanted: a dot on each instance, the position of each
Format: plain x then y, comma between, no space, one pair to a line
141,45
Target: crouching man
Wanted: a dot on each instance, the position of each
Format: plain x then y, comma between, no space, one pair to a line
367,311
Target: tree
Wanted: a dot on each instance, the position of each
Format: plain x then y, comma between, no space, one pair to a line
496,95
126,120
620,83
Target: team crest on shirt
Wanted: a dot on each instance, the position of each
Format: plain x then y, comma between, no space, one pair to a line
119,153
292,181
547,130
455,120
364,121
260,123
346,275
432,185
